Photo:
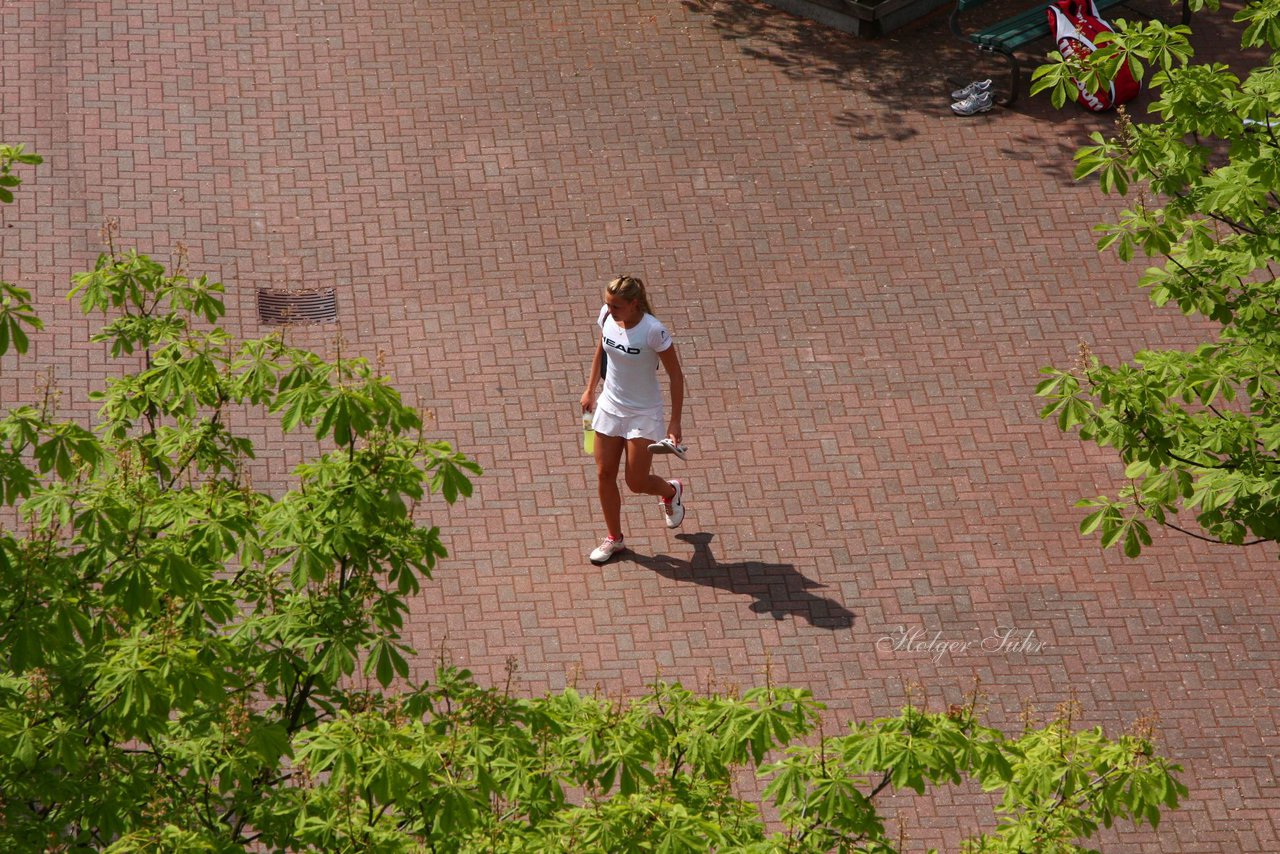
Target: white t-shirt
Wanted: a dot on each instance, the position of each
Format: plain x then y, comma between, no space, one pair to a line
631,381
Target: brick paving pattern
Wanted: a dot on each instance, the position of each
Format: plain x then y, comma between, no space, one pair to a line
862,287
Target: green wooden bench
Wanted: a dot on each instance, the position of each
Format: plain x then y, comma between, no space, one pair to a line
1005,37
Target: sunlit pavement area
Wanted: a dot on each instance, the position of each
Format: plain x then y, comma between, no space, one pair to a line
861,285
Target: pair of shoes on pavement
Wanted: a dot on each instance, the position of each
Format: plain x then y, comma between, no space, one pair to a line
977,97
672,508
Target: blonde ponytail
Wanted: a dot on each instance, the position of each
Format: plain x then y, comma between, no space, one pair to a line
631,289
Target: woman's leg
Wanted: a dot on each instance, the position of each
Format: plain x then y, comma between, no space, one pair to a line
608,456
639,479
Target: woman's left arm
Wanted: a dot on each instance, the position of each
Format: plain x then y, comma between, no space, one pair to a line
671,362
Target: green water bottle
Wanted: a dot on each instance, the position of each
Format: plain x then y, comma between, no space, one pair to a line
588,435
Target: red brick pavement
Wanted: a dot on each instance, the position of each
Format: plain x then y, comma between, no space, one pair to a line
862,287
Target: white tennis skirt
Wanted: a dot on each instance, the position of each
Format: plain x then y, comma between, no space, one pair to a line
649,425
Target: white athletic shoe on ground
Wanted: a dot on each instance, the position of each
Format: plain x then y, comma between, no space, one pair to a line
674,506
974,104
975,88
666,446
606,550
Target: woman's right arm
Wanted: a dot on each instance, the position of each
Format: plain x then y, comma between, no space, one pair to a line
588,396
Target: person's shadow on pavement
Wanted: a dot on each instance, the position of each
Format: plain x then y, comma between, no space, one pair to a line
777,588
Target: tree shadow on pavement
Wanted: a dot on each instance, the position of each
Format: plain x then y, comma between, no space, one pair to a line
912,70
888,69
777,589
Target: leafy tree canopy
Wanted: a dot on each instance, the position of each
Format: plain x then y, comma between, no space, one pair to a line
1198,430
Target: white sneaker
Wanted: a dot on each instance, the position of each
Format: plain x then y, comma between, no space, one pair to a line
674,506
666,446
974,104
975,88
606,550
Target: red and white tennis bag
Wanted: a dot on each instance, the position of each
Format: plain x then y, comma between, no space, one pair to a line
1074,25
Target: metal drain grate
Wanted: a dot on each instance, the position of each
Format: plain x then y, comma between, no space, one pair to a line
297,307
